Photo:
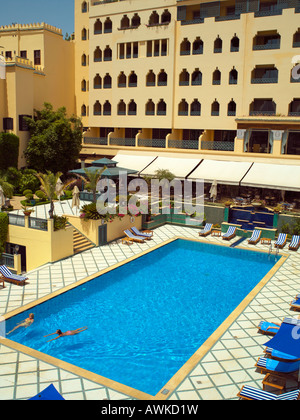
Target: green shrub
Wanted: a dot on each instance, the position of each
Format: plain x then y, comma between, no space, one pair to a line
60,222
9,150
41,195
3,231
25,192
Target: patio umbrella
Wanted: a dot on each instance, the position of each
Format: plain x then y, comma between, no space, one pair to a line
58,188
76,199
2,198
214,190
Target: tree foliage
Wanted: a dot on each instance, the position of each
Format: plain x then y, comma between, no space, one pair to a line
55,141
9,150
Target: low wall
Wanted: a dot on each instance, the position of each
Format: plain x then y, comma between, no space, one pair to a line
41,246
115,229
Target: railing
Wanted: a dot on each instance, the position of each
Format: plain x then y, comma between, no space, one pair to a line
274,46
160,143
8,260
228,17
262,113
184,144
38,224
122,142
192,22
225,146
101,141
261,80
263,13
16,220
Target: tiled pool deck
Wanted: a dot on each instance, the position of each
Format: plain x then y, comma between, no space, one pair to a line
219,375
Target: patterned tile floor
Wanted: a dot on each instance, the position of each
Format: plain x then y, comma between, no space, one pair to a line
219,375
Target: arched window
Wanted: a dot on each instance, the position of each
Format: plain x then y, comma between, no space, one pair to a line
107,55
184,78
161,108
97,82
84,7
162,79
122,80
216,77
183,108
218,44
133,80
135,21
132,108
231,109
233,77
108,26
83,85
166,17
125,22
83,111
121,108
150,107
84,34
107,108
197,46
83,60
98,27
294,108
215,109
185,47
235,44
107,81
150,79
97,108
197,78
154,19
263,107
97,55
195,108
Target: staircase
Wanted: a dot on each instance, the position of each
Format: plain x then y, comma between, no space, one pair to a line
80,242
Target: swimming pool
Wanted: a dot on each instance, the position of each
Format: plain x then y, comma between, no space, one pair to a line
147,318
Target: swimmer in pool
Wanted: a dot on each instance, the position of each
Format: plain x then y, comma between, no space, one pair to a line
26,323
61,334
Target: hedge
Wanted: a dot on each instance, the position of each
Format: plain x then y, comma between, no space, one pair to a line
3,230
9,150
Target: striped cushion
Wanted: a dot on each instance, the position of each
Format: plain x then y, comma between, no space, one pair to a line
8,274
256,394
291,396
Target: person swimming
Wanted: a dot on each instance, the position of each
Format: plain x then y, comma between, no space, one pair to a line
26,323
67,333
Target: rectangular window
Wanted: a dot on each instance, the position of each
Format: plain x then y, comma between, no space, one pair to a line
37,57
23,54
8,54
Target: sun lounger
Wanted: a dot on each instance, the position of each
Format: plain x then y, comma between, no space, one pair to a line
207,229
281,241
295,243
268,328
133,237
231,233
253,394
271,365
9,277
295,304
255,237
278,355
146,235
48,394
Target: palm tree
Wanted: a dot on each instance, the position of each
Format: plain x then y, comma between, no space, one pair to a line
91,179
49,186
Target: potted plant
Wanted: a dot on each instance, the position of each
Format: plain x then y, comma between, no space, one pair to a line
27,211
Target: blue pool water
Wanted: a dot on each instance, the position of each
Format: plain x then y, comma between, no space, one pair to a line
148,317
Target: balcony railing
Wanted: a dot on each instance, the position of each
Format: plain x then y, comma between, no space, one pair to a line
184,144
267,46
16,220
39,224
159,143
100,141
225,146
263,13
262,113
122,142
262,80
192,22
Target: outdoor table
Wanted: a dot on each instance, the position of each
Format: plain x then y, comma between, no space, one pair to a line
266,241
216,233
274,382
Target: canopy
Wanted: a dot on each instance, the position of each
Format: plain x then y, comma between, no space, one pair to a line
180,167
136,162
109,172
221,171
280,177
287,339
